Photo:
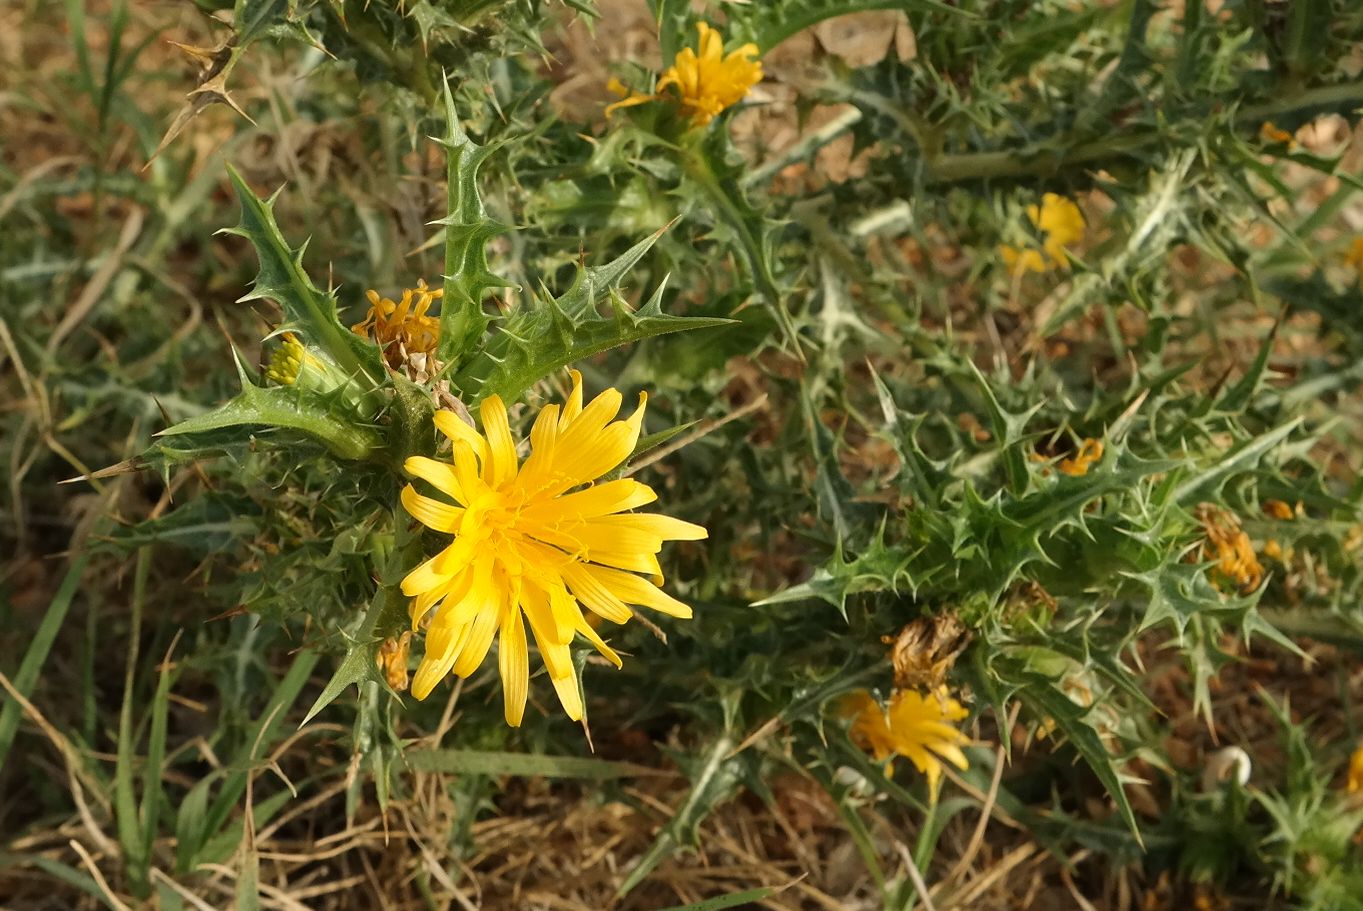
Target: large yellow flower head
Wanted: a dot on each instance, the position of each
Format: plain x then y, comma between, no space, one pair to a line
710,81
918,727
706,83
535,542
1061,225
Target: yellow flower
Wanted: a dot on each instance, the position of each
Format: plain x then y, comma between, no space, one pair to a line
1090,451
1279,510
1271,133
1355,257
1061,225
293,364
535,542
402,328
705,83
915,726
1228,545
287,361
1354,785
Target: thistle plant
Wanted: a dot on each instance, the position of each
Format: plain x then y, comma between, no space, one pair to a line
912,463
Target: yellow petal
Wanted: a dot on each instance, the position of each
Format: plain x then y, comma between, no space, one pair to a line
500,467
569,694
439,475
603,499
481,631
513,662
629,102
587,451
665,528
635,562
425,577
595,595
543,446
431,513
566,613
473,595
448,423
573,407
535,602
466,473
459,554
586,630
633,590
433,668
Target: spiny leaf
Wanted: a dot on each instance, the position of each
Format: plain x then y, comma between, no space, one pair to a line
307,309
713,781
1041,698
467,232
288,407
1242,458
534,342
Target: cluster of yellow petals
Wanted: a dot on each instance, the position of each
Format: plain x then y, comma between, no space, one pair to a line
1354,257
1090,452
1284,513
535,542
402,327
287,361
1279,510
1229,547
918,727
392,659
1272,133
705,83
1061,225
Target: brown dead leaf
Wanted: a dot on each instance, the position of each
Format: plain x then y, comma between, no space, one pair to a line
925,650
215,64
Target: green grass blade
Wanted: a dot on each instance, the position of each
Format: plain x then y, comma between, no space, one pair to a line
125,799
56,869
491,762
234,786
152,796
27,675
729,901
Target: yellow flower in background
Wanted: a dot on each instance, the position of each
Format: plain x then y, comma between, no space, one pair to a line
710,81
1090,451
535,542
392,659
1061,225
1279,510
403,327
1354,257
1271,133
917,727
1354,784
705,83
1229,548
